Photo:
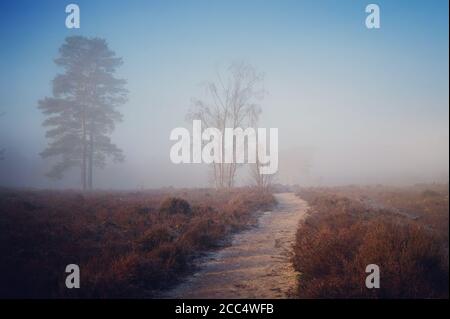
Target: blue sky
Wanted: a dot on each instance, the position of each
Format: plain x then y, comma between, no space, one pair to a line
362,104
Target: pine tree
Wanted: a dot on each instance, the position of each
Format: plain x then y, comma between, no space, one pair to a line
83,110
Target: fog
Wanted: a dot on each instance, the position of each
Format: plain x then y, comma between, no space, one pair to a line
351,106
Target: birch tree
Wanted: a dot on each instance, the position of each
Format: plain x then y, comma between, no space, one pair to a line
231,101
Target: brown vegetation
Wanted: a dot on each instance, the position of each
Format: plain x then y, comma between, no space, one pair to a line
126,244
403,230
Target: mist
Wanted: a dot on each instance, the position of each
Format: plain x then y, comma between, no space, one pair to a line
351,106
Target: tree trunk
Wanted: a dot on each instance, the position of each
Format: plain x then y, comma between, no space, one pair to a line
83,166
91,160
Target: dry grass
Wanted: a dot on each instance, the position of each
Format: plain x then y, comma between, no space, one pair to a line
403,231
126,244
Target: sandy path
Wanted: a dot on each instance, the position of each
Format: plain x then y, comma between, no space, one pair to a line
257,264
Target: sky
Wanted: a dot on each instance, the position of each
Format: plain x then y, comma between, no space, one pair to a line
352,105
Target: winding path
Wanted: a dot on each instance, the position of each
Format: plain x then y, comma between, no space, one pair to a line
258,262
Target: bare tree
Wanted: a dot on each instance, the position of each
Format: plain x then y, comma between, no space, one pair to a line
262,181
232,101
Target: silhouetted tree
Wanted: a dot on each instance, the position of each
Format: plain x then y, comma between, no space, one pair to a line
262,181
82,112
232,102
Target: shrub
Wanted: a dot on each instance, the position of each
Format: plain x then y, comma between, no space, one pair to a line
127,244
429,193
154,237
174,205
340,237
